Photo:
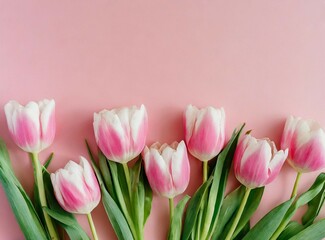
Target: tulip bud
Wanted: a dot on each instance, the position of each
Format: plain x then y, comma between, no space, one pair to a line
121,133
306,142
167,168
32,127
204,131
257,161
76,187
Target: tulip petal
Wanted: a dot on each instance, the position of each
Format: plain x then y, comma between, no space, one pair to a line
47,109
189,121
276,165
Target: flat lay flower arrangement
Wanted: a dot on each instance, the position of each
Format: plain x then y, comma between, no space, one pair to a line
126,190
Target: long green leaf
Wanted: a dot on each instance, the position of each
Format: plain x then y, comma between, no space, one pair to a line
315,231
269,223
115,216
193,209
176,224
147,195
216,192
19,201
291,229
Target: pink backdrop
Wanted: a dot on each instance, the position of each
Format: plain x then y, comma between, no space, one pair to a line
260,60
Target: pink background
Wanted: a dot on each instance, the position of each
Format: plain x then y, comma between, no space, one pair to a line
260,60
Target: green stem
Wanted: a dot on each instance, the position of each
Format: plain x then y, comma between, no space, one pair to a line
171,210
127,177
38,175
295,187
205,171
92,226
238,215
284,223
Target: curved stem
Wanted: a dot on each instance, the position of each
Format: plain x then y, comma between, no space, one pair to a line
92,226
171,210
127,177
238,215
295,187
205,171
38,175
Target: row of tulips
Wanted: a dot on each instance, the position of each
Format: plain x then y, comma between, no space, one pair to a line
126,191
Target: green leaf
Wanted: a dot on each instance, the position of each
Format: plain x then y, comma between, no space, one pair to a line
253,201
19,201
243,231
66,220
228,209
48,161
193,209
291,229
106,173
314,207
315,231
147,196
216,192
269,223
115,216
175,229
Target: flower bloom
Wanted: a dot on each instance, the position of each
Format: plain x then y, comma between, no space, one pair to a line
306,142
204,131
257,161
32,127
76,187
167,168
121,133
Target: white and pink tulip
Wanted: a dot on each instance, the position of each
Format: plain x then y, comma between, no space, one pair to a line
167,168
121,133
257,162
32,127
76,187
204,131
306,142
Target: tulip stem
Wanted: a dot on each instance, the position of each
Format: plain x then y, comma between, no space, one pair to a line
171,210
238,215
205,171
92,226
295,187
127,177
38,175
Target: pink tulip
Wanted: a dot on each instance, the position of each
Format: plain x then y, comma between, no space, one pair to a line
257,161
167,168
121,133
306,142
32,127
76,187
204,131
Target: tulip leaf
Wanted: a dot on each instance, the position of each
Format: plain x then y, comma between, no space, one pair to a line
48,161
19,201
245,229
315,231
147,195
193,209
66,220
106,173
228,209
291,229
115,216
306,197
216,192
253,202
175,228
314,207
269,223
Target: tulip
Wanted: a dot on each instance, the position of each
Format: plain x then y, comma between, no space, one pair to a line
32,127
204,133
167,168
306,142
76,189
121,133
256,163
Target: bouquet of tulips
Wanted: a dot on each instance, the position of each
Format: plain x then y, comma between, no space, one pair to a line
125,189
